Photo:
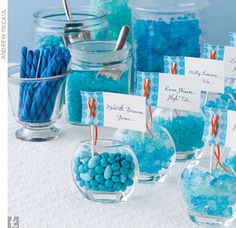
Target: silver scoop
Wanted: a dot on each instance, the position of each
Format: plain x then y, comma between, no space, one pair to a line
123,36
73,31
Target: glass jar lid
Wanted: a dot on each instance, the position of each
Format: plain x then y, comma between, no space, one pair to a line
168,6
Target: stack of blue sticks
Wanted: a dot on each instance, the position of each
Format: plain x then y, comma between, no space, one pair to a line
37,97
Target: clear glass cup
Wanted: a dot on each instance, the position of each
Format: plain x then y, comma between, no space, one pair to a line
36,104
154,150
166,27
105,173
96,66
186,129
49,26
209,197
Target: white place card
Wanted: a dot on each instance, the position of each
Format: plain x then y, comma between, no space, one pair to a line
211,72
230,62
124,111
179,92
231,130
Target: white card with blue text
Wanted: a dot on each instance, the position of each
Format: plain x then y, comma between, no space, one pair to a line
124,111
231,130
179,92
211,72
230,62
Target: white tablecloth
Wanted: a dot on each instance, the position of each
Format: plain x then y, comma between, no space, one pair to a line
42,192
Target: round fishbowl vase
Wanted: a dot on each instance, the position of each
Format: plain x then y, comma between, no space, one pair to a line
107,172
154,150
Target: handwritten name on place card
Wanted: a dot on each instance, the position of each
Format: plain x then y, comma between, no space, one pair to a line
211,72
124,111
230,62
231,130
179,92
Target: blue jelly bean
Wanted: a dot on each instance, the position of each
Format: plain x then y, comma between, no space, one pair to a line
115,166
85,176
125,164
101,187
92,172
99,169
131,173
123,187
94,161
93,183
104,162
81,169
117,186
115,178
124,171
108,183
108,172
116,173
100,178
123,178
129,182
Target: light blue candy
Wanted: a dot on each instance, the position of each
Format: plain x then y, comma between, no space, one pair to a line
123,178
108,183
108,172
115,166
94,161
85,177
99,169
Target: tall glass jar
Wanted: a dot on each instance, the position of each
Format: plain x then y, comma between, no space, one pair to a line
49,25
186,129
96,66
166,27
118,14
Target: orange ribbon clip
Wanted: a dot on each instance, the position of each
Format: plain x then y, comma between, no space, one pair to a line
173,68
91,105
214,123
212,54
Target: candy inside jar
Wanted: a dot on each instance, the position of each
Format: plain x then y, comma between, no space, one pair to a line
118,14
154,150
106,172
210,197
185,128
166,27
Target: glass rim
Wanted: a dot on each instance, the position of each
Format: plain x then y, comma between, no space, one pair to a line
73,46
121,144
12,78
100,14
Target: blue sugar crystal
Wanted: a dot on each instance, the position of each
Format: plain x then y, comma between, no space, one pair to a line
186,131
118,14
88,81
154,152
155,38
112,177
50,41
210,194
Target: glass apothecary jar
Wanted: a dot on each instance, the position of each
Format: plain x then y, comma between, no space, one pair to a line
209,197
166,27
49,26
118,14
37,104
186,129
154,150
107,172
96,66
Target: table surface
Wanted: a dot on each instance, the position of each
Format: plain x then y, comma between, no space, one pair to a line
42,192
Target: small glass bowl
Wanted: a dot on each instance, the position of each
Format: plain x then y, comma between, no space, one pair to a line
36,104
154,150
105,173
210,197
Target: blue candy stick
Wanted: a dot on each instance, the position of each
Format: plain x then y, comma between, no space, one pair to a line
32,85
25,111
22,75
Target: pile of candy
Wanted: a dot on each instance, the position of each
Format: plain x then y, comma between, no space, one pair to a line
111,172
90,81
118,14
155,153
155,38
50,41
186,131
37,98
217,194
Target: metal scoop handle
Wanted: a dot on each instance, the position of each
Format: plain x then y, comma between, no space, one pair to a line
123,36
67,9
